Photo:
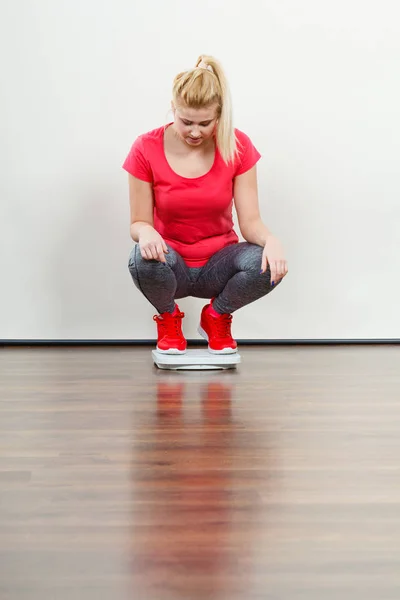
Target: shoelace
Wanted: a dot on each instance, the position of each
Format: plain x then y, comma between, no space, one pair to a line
170,321
223,325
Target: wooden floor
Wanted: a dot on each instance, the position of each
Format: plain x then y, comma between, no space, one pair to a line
280,481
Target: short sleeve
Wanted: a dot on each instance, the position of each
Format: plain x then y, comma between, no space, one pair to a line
136,162
248,154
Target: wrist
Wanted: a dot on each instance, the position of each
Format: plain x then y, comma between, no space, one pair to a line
269,237
138,228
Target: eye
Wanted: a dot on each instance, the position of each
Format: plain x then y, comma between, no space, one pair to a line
186,122
206,124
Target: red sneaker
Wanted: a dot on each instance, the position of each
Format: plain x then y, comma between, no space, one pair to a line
170,339
217,330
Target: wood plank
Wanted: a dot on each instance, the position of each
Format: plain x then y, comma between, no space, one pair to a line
278,481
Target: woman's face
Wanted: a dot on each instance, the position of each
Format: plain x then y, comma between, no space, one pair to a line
195,125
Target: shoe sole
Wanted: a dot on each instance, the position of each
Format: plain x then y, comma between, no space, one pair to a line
223,351
171,351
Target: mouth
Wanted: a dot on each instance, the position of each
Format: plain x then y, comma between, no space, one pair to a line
194,140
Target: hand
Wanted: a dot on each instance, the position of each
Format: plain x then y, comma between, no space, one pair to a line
273,255
152,245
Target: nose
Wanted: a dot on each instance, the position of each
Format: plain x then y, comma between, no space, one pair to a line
195,133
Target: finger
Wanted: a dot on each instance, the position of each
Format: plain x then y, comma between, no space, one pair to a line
281,270
264,263
160,253
165,247
154,252
273,268
145,253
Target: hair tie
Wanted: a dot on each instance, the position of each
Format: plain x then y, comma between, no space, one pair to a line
204,65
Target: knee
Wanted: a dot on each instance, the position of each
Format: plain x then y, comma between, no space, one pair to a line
250,258
132,261
135,260
139,266
252,261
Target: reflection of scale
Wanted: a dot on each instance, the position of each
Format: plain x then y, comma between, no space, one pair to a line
195,360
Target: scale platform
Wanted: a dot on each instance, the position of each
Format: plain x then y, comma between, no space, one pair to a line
195,360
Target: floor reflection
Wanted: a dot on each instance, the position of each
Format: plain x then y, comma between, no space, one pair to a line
185,491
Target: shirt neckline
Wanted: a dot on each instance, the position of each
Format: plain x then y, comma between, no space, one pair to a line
172,170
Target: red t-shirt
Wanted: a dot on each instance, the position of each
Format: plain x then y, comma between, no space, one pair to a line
193,215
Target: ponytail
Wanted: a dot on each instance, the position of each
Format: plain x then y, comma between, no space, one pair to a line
204,85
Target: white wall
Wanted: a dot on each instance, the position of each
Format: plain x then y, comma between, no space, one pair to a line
315,84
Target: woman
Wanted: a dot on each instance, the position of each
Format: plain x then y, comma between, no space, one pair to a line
183,179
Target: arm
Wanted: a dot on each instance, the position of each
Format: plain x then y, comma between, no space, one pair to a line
141,205
141,202
252,228
245,193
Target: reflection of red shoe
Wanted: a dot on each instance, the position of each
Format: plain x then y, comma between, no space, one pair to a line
169,400
217,330
217,400
170,339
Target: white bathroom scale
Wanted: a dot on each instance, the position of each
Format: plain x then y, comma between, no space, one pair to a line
195,360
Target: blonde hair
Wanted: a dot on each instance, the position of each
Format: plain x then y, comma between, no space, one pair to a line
203,86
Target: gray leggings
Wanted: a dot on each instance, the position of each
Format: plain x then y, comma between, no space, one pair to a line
231,276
